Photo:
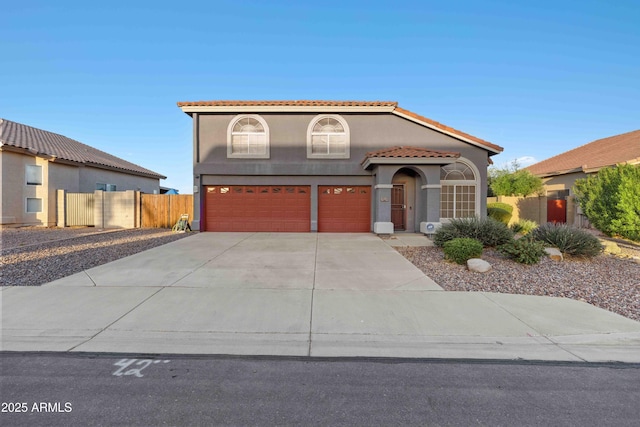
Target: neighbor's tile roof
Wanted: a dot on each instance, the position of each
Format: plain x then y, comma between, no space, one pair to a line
46,143
592,156
297,103
319,103
410,152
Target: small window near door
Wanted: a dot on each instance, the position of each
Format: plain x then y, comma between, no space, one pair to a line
34,174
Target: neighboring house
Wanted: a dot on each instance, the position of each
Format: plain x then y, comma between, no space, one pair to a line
331,166
559,173
35,163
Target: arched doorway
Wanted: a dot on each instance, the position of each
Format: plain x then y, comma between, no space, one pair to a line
403,201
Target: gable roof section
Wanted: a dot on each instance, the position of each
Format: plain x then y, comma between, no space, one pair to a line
623,148
400,154
49,144
334,106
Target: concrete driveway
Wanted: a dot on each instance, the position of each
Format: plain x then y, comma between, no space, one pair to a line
303,295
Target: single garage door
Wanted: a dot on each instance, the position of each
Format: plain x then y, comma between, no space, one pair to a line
257,208
344,208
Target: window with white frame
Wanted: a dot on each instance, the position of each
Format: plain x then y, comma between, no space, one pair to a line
458,197
328,138
34,205
34,174
248,136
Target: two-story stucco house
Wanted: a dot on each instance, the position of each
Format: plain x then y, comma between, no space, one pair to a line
34,163
331,166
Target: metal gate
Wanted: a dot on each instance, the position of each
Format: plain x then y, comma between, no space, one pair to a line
79,209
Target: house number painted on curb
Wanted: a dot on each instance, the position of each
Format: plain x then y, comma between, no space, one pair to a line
137,365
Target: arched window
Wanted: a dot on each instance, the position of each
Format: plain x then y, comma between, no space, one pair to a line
248,136
459,195
328,138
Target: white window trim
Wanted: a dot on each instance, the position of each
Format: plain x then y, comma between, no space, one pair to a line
347,133
26,174
232,155
476,182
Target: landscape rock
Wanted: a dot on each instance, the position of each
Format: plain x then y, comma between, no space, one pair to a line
610,247
478,265
554,254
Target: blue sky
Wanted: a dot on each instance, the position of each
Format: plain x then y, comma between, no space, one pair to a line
537,78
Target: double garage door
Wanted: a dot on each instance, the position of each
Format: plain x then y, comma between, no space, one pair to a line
286,208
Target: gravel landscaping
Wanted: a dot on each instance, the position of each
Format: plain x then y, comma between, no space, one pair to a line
606,281
32,256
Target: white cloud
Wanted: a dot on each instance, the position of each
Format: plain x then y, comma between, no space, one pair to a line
522,162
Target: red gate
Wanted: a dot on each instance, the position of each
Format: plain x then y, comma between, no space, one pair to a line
557,211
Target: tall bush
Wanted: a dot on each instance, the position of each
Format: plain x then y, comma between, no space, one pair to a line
512,181
611,200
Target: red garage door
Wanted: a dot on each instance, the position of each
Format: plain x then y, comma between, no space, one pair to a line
257,208
344,208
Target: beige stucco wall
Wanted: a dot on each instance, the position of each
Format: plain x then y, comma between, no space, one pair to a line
562,182
532,208
90,176
15,190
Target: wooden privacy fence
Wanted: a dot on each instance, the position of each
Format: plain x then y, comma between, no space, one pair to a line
164,210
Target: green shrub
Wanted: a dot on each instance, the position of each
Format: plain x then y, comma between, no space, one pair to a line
524,226
611,200
525,250
512,181
487,230
500,212
569,240
461,249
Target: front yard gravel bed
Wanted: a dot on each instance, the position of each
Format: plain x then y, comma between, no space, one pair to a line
32,257
605,281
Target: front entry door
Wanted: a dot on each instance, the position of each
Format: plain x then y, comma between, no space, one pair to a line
398,207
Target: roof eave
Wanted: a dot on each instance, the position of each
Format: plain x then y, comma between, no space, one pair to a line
152,174
190,109
491,150
370,161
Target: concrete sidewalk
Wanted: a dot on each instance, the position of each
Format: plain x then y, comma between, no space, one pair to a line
299,294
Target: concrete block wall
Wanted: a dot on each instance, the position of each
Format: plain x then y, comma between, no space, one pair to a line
116,209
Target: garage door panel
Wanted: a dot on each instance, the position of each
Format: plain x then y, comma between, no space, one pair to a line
344,209
258,208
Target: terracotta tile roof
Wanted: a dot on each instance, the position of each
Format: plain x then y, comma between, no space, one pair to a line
296,103
410,152
46,143
592,156
391,105
445,128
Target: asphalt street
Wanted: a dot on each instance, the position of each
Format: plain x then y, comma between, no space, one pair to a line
125,389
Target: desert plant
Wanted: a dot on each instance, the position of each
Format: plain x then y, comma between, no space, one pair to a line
525,250
524,226
487,230
461,249
500,212
611,200
569,240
